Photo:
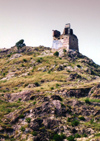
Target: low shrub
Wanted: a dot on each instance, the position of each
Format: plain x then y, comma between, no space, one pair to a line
60,58
75,123
21,116
56,53
49,71
77,135
71,138
84,135
37,84
78,66
39,60
69,119
87,101
81,118
8,55
22,65
4,74
64,50
24,60
52,88
57,137
34,102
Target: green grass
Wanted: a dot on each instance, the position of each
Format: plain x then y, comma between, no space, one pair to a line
94,125
95,100
7,107
88,100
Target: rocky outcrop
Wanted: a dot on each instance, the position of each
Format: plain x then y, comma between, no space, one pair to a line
21,96
78,92
95,91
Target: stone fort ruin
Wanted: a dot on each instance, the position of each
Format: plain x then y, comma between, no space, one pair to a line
67,40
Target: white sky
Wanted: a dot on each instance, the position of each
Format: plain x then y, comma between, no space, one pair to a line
34,20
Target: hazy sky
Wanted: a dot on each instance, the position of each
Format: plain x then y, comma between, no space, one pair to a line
34,20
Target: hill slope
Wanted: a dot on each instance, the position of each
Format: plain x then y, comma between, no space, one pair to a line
45,97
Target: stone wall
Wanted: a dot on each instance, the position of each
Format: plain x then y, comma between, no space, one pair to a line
73,43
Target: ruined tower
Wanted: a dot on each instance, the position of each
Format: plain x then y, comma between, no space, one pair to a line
67,40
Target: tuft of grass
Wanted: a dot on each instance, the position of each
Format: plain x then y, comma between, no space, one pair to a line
92,121
57,137
21,116
34,133
22,128
77,135
28,120
34,102
57,85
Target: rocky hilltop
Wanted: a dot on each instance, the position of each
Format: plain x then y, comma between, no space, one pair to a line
47,97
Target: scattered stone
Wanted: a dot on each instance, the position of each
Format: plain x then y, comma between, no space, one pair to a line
9,76
31,86
42,69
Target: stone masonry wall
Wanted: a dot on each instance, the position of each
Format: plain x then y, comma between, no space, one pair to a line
73,43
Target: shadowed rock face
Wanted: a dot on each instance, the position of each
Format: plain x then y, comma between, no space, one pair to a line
56,97
78,93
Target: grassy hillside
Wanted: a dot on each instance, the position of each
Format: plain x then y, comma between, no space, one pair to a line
47,97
